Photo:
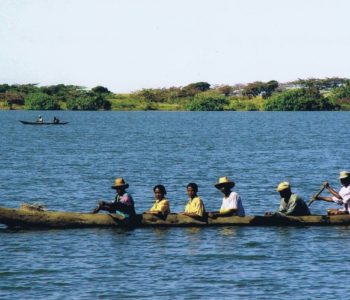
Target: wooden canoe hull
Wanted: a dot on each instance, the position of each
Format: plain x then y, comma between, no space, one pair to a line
45,123
28,218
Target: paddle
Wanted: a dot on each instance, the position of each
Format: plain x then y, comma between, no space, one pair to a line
313,198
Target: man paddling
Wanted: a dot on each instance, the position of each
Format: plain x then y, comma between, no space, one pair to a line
291,204
341,198
123,203
40,119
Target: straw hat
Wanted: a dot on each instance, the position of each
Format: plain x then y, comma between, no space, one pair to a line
284,185
343,174
120,183
224,181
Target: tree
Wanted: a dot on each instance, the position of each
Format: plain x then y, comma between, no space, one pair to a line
63,92
41,101
260,88
147,95
12,98
199,86
253,89
195,88
225,89
100,90
25,89
88,101
299,99
156,95
207,101
322,84
341,92
269,88
4,88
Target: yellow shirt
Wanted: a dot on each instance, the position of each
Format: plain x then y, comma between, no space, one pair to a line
195,206
161,206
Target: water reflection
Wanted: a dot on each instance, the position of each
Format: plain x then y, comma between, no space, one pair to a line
227,231
161,231
193,231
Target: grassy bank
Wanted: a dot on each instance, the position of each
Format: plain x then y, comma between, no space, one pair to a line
310,94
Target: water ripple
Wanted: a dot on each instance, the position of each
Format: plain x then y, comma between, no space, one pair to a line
71,167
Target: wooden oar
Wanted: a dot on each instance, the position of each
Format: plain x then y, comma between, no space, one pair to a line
313,198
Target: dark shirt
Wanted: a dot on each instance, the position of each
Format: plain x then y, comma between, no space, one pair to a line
294,207
125,204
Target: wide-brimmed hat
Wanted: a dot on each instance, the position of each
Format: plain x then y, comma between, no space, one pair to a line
120,183
344,174
284,185
224,181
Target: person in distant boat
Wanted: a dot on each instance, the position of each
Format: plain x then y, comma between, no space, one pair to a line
291,204
123,203
341,198
56,120
231,202
40,119
194,207
161,207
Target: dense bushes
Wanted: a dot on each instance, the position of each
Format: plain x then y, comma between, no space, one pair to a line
341,96
299,99
41,101
341,92
88,101
309,94
208,101
260,88
100,90
67,96
12,98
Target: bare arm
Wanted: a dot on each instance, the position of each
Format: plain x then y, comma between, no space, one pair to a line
227,213
332,191
327,199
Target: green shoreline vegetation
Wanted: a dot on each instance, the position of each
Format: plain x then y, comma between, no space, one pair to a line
300,95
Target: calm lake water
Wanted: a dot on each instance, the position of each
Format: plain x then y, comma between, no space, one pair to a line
70,167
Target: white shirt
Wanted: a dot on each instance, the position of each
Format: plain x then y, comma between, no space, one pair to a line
233,202
345,194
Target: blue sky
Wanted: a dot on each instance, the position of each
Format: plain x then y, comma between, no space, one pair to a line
127,45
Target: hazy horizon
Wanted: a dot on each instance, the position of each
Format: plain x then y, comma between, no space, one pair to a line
130,45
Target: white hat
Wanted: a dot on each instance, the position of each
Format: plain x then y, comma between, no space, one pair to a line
343,174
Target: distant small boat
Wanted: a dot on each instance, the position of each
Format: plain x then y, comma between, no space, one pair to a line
44,123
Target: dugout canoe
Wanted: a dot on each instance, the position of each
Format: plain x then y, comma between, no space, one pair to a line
44,123
27,217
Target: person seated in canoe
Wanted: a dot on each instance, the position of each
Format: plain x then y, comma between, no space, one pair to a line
231,202
55,120
123,203
291,204
161,207
194,207
341,198
40,119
